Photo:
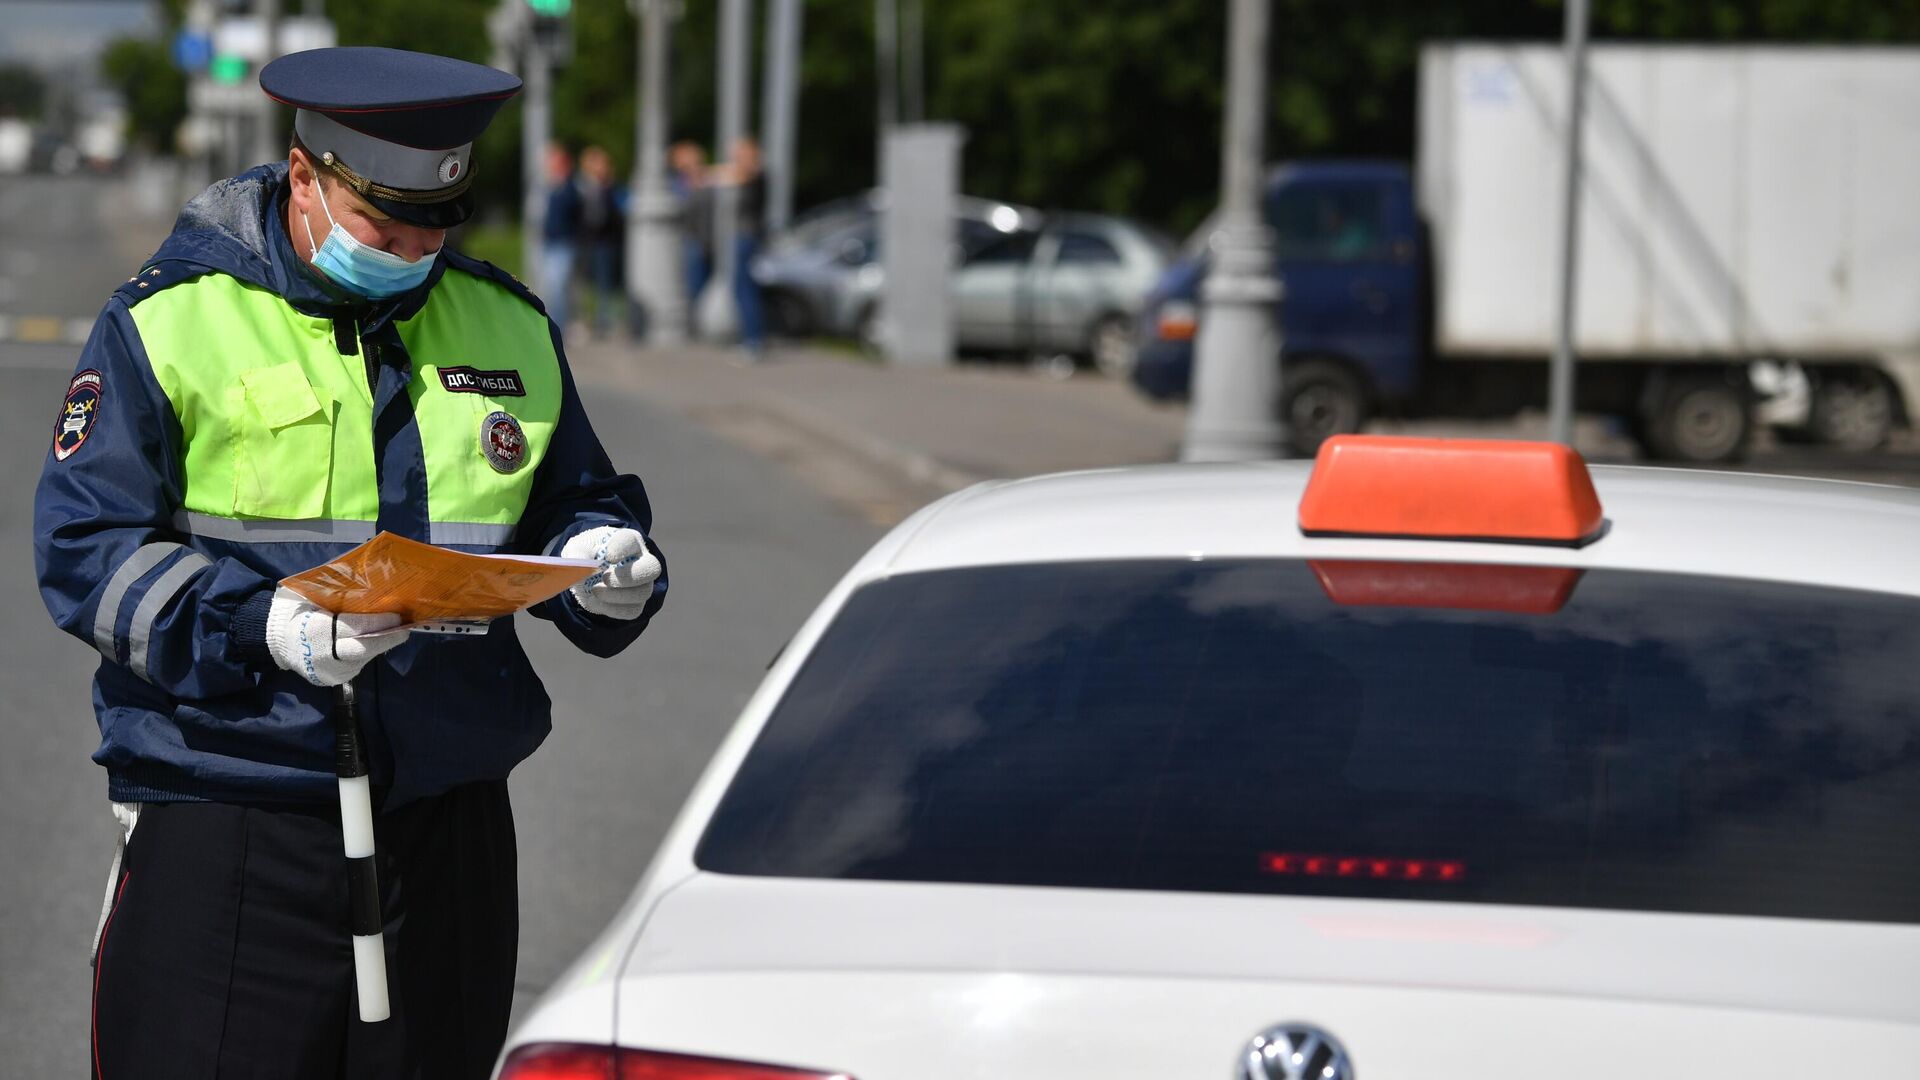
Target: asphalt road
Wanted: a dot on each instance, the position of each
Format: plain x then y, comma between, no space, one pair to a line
749,550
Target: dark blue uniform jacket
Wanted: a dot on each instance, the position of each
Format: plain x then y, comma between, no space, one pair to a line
190,704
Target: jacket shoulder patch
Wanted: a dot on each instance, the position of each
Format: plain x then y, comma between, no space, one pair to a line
78,413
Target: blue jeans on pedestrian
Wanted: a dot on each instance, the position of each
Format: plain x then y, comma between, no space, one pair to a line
556,280
603,273
697,269
746,294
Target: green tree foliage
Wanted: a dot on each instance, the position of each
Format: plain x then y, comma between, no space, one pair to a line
22,91
155,91
1109,105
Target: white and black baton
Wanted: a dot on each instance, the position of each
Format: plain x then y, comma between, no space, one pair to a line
363,878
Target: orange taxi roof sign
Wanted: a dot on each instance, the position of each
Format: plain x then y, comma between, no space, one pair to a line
1453,489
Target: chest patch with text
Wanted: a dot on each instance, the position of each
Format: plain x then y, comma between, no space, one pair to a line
466,380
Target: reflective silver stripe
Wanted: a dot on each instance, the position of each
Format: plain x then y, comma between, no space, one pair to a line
324,531
273,531
144,558
163,590
469,532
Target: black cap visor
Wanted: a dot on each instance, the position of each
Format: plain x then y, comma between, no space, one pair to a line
433,215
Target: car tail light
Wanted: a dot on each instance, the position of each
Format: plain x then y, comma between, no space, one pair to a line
570,1061
1177,321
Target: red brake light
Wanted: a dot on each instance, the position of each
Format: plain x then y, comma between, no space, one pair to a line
1177,322
1457,489
568,1061
558,1061
1351,866
1521,590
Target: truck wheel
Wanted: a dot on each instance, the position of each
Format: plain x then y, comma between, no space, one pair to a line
1852,410
1319,400
1701,419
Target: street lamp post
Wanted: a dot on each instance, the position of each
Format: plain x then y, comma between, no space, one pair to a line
534,127
1236,379
886,46
1560,378
266,125
719,321
653,230
779,104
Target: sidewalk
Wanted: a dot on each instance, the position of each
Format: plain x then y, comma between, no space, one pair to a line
883,440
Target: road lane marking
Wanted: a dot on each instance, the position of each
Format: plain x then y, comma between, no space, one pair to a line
44,330
37,329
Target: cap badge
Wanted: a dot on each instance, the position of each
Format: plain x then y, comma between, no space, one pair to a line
450,168
503,442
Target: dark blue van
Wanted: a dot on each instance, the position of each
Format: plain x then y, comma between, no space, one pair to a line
1348,248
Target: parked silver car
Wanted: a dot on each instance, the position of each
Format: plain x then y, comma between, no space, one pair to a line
1046,285
822,274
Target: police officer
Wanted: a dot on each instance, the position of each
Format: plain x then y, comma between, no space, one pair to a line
302,364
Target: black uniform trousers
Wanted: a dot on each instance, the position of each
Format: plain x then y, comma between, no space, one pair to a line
227,951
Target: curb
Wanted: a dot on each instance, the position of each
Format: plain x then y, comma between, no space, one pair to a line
916,466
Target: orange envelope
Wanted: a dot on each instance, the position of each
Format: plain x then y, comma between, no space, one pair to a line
424,583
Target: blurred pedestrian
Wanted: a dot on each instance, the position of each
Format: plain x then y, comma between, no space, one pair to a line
559,235
742,173
689,182
602,236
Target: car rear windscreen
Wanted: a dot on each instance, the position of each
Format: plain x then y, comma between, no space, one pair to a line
1650,742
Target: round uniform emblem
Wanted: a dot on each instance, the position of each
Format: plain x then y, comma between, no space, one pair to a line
450,168
503,442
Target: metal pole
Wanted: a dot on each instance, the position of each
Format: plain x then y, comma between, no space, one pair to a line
363,878
779,102
886,44
719,321
1236,385
266,127
1560,378
533,150
653,230
912,56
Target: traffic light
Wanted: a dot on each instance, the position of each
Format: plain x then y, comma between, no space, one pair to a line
553,28
227,69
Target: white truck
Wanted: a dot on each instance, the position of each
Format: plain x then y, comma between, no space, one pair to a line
1738,204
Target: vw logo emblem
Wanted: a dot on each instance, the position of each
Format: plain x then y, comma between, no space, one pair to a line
1294,1051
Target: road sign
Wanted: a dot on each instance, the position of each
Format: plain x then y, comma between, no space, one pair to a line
245,36
192,51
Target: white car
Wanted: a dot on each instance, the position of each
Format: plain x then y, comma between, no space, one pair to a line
1417,762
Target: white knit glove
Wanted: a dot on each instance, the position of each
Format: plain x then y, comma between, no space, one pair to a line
321,647
624,582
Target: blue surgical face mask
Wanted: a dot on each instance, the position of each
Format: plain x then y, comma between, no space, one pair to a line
359,267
